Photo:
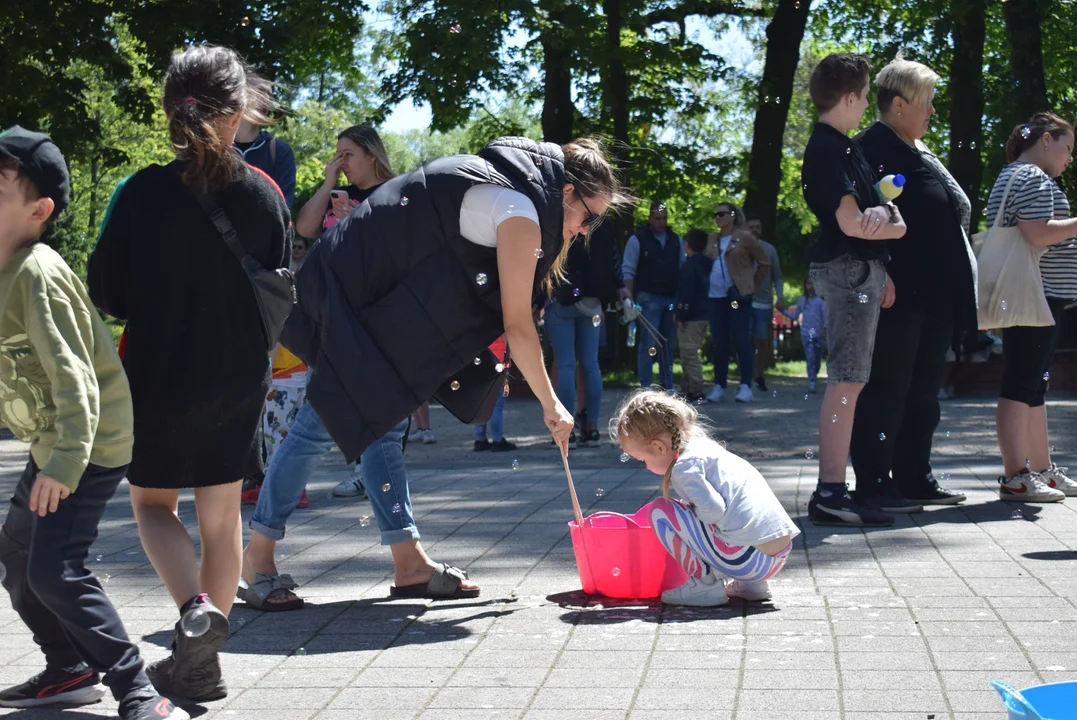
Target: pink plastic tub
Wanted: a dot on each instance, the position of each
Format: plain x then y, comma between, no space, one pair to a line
619,556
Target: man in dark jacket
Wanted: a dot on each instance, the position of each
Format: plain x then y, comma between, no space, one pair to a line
693,316
652,263
272,156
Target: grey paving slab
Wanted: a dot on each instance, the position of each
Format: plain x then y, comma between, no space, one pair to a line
888,624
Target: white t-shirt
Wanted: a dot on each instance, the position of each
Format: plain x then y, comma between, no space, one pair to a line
721,282
485,207
731,494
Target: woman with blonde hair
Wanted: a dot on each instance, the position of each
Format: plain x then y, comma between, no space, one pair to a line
929,298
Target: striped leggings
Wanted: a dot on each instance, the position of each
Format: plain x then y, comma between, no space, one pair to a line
696,546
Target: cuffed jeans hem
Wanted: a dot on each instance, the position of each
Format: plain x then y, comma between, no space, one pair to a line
270,533
392,537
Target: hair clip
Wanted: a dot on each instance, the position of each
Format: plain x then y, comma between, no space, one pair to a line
191,99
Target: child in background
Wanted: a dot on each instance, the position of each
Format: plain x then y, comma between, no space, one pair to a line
693,312
727,522
810,310
64,391
497,420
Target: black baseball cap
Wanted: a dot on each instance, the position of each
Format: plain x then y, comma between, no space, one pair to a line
41,160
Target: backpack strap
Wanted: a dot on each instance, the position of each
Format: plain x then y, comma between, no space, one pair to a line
224,225
273,151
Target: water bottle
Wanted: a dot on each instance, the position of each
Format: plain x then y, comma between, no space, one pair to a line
890,186
631,334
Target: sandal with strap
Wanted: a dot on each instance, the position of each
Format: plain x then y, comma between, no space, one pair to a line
264,587
444,584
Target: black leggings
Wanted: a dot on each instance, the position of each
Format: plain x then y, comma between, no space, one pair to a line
1027,354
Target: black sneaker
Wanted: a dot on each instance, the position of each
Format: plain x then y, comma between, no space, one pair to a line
840,508
193,670
935,494
157,708
78,685
590,439
890,500
502,445
761,383
481,445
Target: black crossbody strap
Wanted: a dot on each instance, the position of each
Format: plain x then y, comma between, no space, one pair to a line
224,225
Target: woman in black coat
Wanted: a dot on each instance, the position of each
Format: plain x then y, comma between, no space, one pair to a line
929,298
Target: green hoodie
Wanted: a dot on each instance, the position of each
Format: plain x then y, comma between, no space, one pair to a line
62,385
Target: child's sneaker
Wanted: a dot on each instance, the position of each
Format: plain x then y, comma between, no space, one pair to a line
56,686
755,591
157,708
428,437
696,593
193,670
1028,486
1057,478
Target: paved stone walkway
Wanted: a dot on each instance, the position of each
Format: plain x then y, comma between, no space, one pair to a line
907,622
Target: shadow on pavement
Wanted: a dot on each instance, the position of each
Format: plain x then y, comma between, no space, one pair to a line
599,610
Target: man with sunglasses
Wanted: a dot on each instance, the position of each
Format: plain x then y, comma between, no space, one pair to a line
651,269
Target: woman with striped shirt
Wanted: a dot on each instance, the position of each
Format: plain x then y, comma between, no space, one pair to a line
1037,152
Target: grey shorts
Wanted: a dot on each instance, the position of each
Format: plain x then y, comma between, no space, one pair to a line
852,289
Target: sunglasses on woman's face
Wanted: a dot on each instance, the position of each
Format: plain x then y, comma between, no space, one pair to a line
723,213
591,220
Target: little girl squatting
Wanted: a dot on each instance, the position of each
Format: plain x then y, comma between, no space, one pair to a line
727,522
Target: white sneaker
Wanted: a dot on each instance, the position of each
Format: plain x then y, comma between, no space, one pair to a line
697,593
1057,478
758,590
415,434
1028,487
744,395
428,437
352,486
717,395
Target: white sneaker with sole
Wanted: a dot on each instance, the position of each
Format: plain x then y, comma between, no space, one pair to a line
696,593
758,590
1057,478
428,437
717,395
744,395
1028,487
351,486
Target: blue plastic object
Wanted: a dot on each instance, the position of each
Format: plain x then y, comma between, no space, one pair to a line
1055,701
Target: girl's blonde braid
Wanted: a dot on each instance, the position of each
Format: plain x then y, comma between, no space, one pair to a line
677,445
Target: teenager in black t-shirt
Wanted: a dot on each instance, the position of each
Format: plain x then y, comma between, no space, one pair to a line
847,270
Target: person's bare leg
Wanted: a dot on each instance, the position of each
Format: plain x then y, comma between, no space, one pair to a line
166,541
421,416
835,436
412,566
221,530
1036,441
1012,424
258,557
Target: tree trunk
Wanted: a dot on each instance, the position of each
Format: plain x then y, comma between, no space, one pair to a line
1023,18
784,35
616,89
557,108
966,88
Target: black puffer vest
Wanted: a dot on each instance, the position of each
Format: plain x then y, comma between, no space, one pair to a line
659,266
393,300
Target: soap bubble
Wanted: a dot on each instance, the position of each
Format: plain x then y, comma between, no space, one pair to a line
947,433
499,368
848,151
386,487
972,145
364,521
1046,376
1003,305
775,393
862,298
404,201
1026,132
195,622
809,454
397,508
624,457
99,558
481,279
811,332
946,476
301,651
455,385
652,351
455,29
245,21
845,401
3,572
105,578
882,436
599,492
834,419
880,168
539,253
805,396
478,361
515,464
1017,514
575,292
735,305
616,571
596,320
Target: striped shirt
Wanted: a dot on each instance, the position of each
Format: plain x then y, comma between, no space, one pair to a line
1035,196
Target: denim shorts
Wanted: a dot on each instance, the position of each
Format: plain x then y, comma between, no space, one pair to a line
853,289
762,323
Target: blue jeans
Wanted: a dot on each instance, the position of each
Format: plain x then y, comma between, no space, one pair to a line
573,337
659,312
384,476
729,323
497,423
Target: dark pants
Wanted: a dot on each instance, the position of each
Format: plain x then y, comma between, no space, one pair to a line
900,402
61,601
732,324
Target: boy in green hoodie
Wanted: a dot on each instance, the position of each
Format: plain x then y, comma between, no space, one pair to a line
63,390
